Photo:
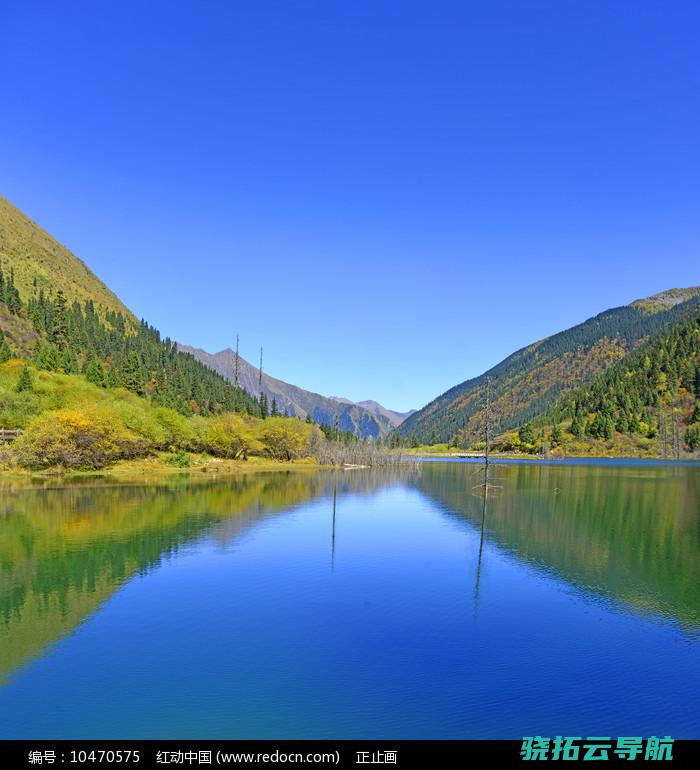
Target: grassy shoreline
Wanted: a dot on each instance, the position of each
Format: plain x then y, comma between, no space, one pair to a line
155,468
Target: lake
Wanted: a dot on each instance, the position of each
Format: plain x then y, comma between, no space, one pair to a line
357,604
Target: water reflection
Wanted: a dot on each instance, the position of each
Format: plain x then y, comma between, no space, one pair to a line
64,551
630,535
627,534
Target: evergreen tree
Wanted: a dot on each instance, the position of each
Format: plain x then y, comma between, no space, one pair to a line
95,373
692,438
5,352
556,434
577,426
526,434
60,321
132,377
68,362
24,383
46,358
8,292
274,411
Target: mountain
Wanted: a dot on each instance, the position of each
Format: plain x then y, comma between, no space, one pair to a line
40,262
531,380
653,395
54,309
395,418
295,400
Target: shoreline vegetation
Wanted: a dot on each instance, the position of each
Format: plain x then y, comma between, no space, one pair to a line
608,450
73,428
66,424
596,449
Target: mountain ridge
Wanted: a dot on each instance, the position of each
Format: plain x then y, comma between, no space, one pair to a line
530,380
394,417
296,401
40,262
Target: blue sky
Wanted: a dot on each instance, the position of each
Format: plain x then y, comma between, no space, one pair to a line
390,197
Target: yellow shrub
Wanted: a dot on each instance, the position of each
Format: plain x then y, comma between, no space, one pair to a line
230,435
139,418
285,439
76,439
179,431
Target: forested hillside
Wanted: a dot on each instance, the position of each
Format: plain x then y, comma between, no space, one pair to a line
83,384
654,393
527,383
55,310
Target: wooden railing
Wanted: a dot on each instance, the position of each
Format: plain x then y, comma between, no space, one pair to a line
9,435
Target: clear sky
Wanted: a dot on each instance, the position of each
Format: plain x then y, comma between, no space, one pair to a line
390,197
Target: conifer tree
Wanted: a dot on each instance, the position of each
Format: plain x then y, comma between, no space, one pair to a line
46,358
526,434
556,434
60,321
577,426
95,373
5,352
8,292
24,383
132,375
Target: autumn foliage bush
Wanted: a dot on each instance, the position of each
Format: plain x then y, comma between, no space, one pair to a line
230,435
73,423
76,439
285,439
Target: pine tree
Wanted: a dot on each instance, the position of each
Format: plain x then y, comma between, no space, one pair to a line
132,374
556,434
46,358
692,438
8,292
68,362
577,426
5,352
24,383
274,412
59,332
95,373
526,434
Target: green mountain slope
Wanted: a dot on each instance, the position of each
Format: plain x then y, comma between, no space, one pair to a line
653,393
54,309
531,380
41,262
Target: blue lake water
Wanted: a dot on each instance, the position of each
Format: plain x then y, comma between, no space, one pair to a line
256,608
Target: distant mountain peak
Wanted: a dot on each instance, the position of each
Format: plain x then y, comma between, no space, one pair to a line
296,401
394,417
